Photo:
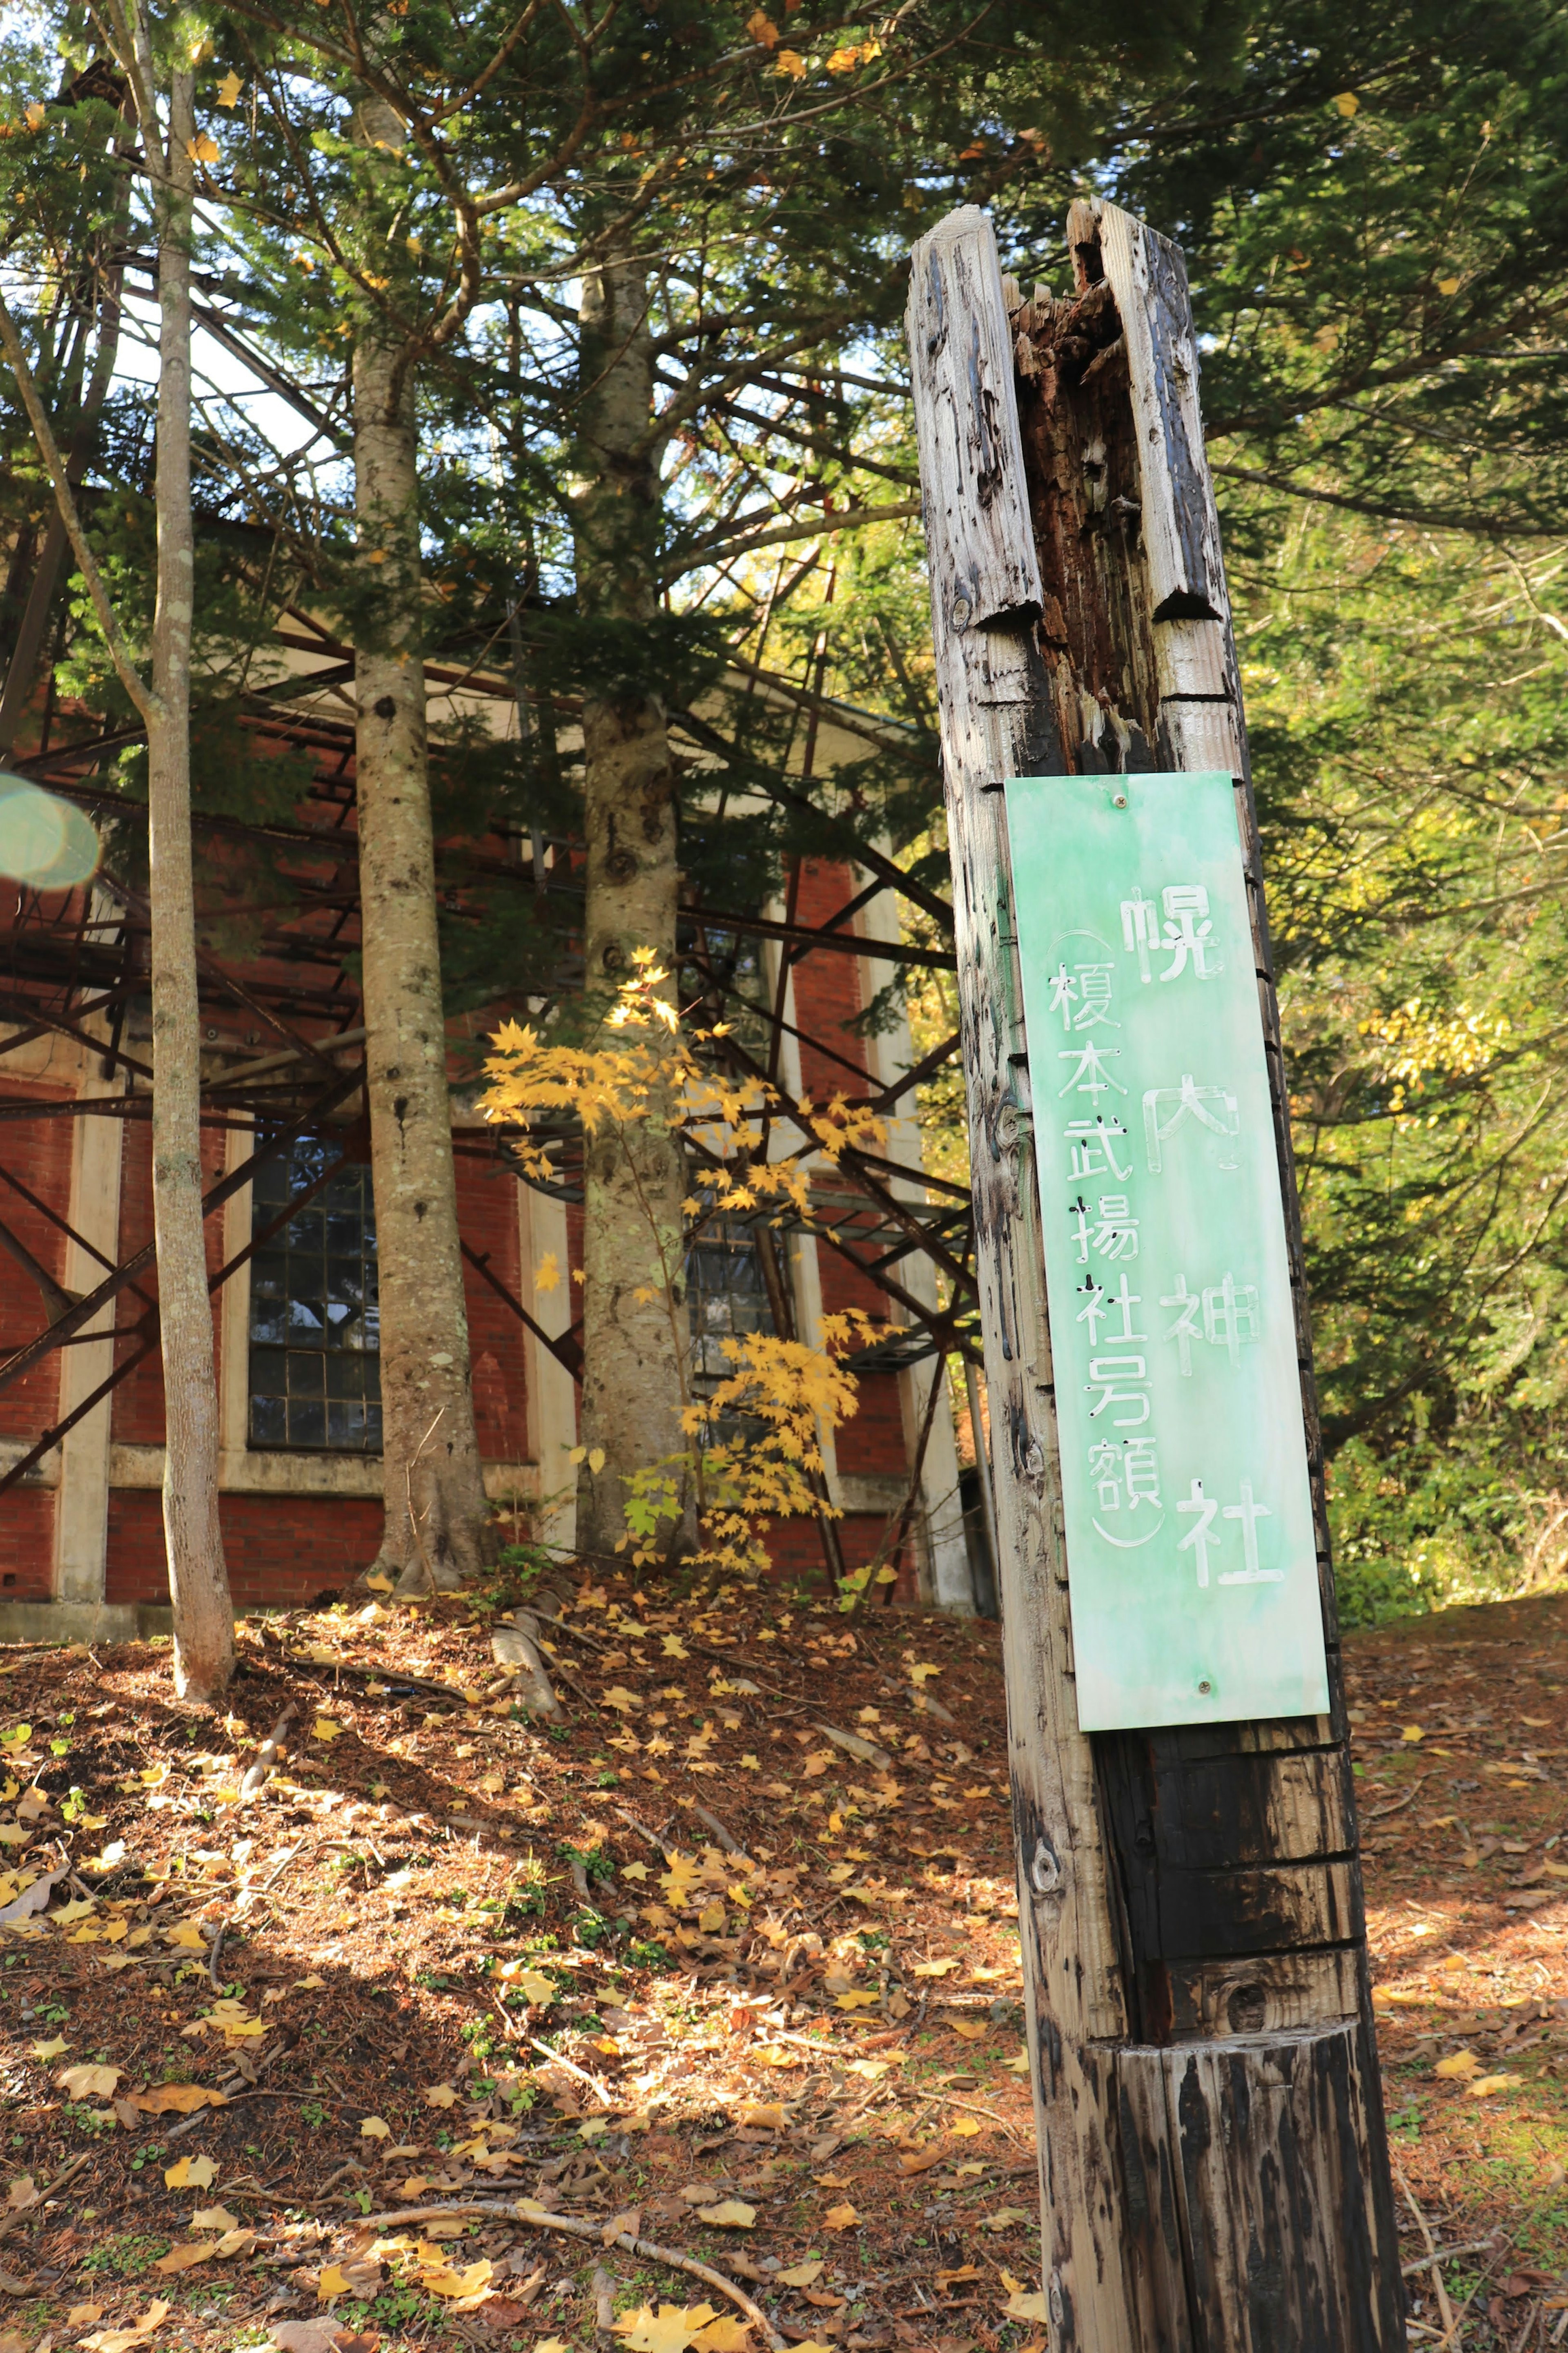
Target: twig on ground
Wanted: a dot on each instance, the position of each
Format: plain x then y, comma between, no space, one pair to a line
571,2066
1447,2256
642,1831
1432,2262
646,2248
213,1956
49,2190
726,1838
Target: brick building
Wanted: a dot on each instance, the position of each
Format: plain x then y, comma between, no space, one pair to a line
80,1534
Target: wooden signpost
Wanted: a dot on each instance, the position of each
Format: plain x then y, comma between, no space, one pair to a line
1213,2162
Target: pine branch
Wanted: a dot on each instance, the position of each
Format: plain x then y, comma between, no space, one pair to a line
850,519
130,677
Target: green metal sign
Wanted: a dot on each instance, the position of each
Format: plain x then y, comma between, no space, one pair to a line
1191,1555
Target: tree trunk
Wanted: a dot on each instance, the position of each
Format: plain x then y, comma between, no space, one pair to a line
437,1520
198,1580
634,1337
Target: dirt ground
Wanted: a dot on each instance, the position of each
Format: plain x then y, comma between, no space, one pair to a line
724,1963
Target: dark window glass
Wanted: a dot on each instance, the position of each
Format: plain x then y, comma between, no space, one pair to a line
725,1293
315,1331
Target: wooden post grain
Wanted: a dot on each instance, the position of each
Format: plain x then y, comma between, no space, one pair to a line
1214,2170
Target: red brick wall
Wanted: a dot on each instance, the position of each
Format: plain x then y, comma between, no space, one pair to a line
138,1409
487,1214
39,1152
827,987
26,1544
280,1548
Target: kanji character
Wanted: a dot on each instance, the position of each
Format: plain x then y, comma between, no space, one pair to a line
1198,1538
1188,931
1190,1102
1249,1514
1091,1078
1094,1149
1230,1317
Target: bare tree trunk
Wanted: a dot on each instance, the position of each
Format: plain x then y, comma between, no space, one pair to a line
437,1520
199,1579
634,1300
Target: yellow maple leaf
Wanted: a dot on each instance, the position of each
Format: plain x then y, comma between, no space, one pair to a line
439,2095
968,2028
1460,2064
230,87
841,2218
668,2330
188,1933
1484,2086
763,29
547,1274
932,1969
35,115
326,1727
465,2290
857,2001
52,2049
1348,103
800,2274
202,149
375,2128
190,2173
723,2336
789,64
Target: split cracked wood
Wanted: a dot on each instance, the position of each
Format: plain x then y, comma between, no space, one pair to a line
1212,2164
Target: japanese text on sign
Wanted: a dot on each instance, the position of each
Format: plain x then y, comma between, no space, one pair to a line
1191,1555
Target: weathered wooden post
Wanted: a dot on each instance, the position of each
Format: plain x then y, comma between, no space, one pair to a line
1213,2163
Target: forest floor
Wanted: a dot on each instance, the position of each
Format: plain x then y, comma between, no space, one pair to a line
724,1963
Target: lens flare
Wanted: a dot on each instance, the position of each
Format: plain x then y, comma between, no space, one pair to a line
44,841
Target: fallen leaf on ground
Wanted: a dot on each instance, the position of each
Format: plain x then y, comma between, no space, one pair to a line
439,2095
1484,2086
375,2128
1006,2218
841,2218
184,2259
465,2290
119,2340
213,2218
969,2029
932,1969
82,2315
669,2330
729,2214
799,2274
50,2049
857,2001
723,2336
1461,2064
176,2099
1020,2304
190,2173
87,2082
